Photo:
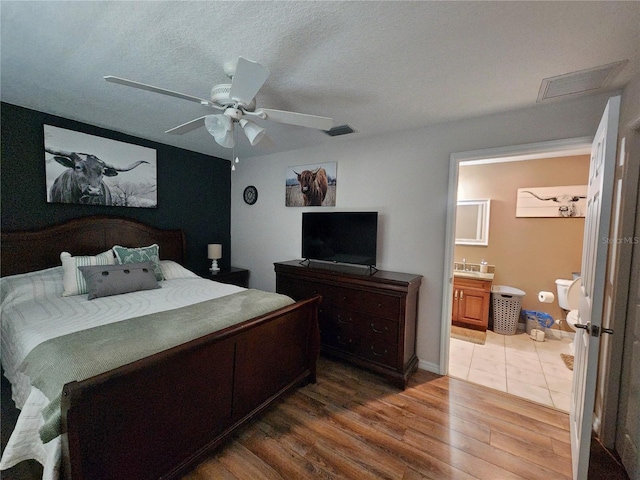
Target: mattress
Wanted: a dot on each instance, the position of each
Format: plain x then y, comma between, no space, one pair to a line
34,310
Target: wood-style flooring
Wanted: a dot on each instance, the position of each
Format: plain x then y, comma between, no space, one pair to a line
352,424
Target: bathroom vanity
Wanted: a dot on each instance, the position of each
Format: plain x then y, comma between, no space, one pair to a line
471,300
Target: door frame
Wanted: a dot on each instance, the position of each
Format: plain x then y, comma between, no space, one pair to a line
530,151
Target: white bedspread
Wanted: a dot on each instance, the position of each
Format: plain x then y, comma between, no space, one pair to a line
33,310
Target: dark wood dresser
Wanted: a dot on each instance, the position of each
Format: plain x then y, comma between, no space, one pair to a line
367,319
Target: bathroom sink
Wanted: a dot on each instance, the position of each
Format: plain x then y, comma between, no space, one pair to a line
470,274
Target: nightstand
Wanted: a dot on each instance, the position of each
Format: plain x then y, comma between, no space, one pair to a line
233,275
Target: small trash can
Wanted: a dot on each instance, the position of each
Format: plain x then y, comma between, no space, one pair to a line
536,320
506,308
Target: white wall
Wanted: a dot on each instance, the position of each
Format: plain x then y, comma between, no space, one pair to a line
404,176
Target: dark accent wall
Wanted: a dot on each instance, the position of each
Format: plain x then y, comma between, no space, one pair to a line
194,190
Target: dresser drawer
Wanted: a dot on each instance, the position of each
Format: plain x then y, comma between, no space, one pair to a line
379,328
379,351
343,298
380,305
298,290
342,335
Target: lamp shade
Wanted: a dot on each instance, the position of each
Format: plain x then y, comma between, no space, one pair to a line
214,251
253,132
221,128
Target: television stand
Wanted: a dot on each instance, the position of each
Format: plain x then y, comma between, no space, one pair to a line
369,320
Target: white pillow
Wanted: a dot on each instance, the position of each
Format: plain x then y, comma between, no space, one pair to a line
172,270
31,287
72,279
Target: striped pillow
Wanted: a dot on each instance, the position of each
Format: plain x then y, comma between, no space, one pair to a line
72,279
171,270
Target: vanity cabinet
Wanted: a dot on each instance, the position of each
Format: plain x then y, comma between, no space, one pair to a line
366,319
471,300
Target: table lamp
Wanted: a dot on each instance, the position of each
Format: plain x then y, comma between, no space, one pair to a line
214,251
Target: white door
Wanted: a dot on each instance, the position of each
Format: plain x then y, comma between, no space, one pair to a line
594,263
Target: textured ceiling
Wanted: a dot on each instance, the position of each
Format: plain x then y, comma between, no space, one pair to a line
377,66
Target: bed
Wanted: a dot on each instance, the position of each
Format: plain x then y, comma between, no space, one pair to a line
158,415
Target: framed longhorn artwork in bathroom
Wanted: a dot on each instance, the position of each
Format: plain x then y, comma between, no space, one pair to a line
559,202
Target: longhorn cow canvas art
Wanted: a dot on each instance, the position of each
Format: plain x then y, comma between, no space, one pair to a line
90,170
561,202
311,185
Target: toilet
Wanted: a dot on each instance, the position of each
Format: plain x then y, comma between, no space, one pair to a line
568,298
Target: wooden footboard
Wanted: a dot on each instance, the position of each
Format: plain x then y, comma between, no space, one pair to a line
157,417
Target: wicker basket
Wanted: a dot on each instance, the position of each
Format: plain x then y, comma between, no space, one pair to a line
506,308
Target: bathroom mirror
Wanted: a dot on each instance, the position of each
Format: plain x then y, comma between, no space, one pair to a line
472,222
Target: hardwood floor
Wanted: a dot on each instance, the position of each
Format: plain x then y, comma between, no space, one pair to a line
352,424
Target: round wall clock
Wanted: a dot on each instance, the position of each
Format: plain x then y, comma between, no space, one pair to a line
250,195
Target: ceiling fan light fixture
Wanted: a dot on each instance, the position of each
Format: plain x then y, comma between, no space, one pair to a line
221,128
252,131
235,99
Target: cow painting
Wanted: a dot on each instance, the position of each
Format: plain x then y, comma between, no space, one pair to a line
566,203
82,181
313,185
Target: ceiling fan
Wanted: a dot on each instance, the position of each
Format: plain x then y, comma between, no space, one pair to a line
236,100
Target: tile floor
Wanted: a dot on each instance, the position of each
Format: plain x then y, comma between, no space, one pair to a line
517,365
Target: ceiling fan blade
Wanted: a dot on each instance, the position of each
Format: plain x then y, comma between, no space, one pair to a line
221,127
187,127
247,80
163,91
300,119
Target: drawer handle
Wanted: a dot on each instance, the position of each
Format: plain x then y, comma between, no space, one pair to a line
343,342
340,320
378,331
373,351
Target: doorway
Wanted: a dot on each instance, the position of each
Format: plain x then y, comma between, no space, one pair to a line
499,362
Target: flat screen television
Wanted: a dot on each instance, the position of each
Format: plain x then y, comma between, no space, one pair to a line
342,237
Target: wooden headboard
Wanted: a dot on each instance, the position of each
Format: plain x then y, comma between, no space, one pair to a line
25,251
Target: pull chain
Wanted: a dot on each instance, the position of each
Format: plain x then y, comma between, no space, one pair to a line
233,153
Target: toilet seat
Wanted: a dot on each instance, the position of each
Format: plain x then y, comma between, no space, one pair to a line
573,294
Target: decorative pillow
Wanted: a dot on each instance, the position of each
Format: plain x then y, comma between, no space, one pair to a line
30,287
72,279
106,280
143,254
172,270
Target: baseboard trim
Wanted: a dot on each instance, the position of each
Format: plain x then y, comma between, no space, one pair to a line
429,367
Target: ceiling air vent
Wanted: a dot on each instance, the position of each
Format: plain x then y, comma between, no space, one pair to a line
576,83
339,130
